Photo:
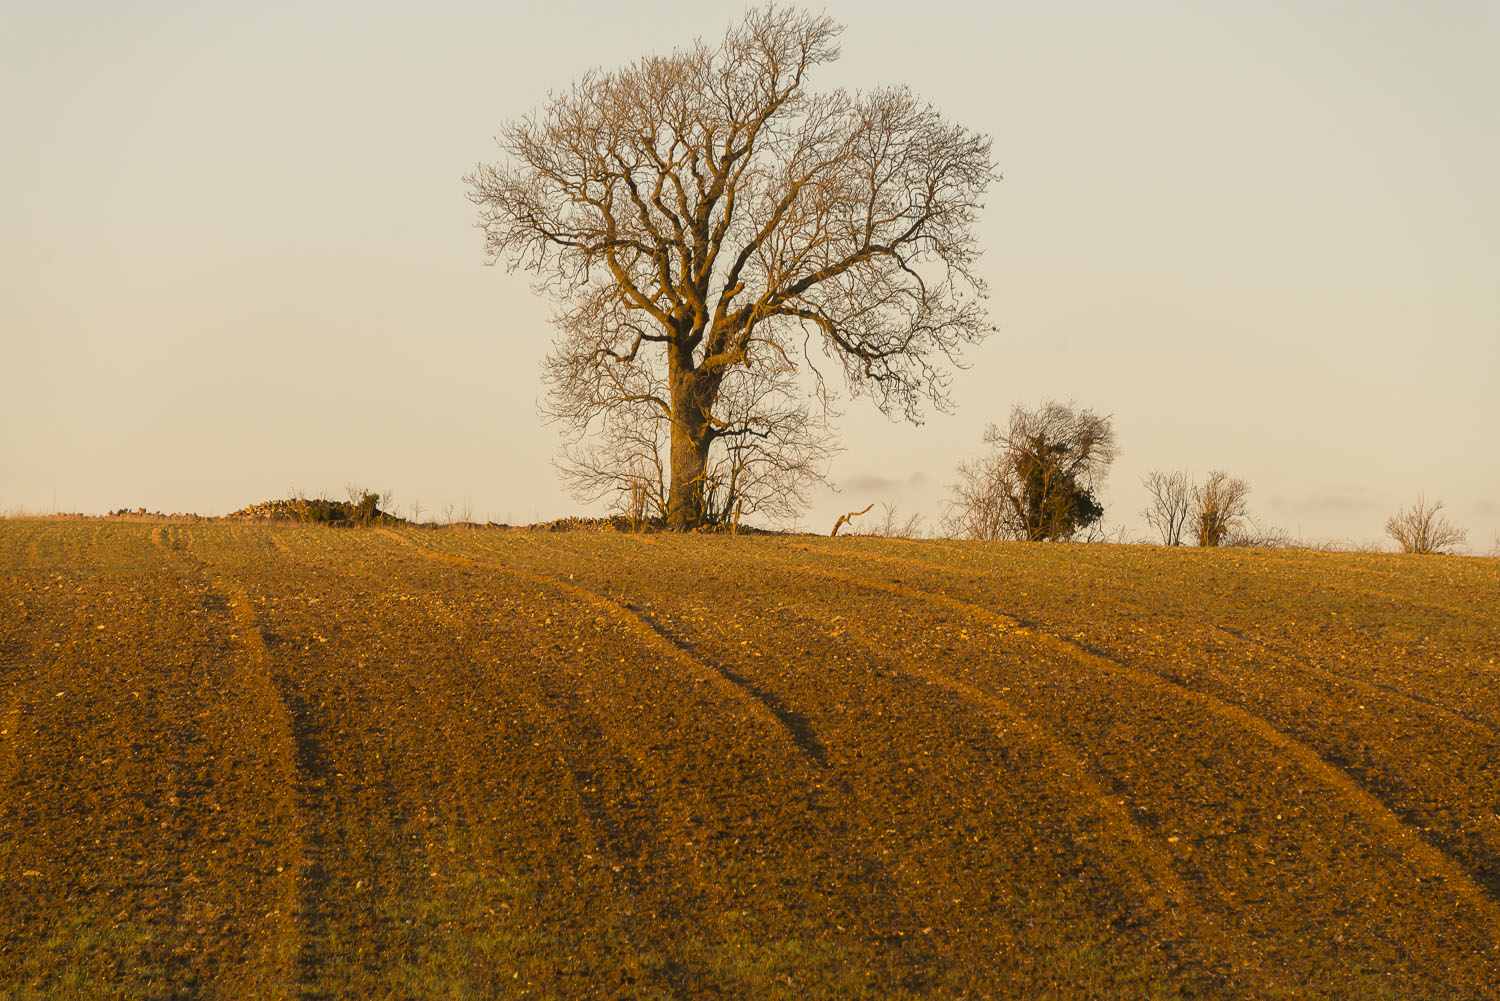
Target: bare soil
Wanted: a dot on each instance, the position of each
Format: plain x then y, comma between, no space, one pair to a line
287,761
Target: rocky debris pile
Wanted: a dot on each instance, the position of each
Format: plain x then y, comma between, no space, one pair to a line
622,523
320,510
572,523
140,513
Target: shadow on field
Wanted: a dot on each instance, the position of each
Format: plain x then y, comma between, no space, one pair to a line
795,723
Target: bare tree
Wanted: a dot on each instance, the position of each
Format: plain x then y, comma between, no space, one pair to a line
1039,481
624,461
1421,529
1171,504
1218,507
770,450
978,508
893,526
690,212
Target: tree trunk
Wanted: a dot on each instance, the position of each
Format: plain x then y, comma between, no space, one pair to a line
689,461
692,397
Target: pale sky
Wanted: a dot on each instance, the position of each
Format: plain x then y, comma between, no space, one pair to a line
237,260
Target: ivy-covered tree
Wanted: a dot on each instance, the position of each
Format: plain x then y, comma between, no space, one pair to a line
1039,482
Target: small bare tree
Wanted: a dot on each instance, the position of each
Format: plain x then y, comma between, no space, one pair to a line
1218,507
1421,529
770,451
978,506
1039,481
893,526
1171,504
691,211
1100,532
635,503
623,461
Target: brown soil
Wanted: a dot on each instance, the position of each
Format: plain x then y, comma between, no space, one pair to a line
245,761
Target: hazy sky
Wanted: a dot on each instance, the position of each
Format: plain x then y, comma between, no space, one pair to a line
236,258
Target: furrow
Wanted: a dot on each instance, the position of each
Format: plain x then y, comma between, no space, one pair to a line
794,722
597,829
755,701
625,858
306,765
254,680
1144,891
1449,834
1414,847
599,821
1416,702
1150,867
712,816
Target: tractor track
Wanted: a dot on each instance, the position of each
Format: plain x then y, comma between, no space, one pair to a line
767,710
1418,703
645,823
1410,841
1477,864
1153,874
307,769
607,837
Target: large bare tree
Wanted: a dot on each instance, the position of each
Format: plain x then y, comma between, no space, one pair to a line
691,213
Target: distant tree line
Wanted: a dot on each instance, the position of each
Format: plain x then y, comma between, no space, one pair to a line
1040,482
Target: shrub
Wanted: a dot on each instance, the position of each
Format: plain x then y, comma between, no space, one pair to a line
1420,529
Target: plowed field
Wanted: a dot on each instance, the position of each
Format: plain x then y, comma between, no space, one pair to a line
290,762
